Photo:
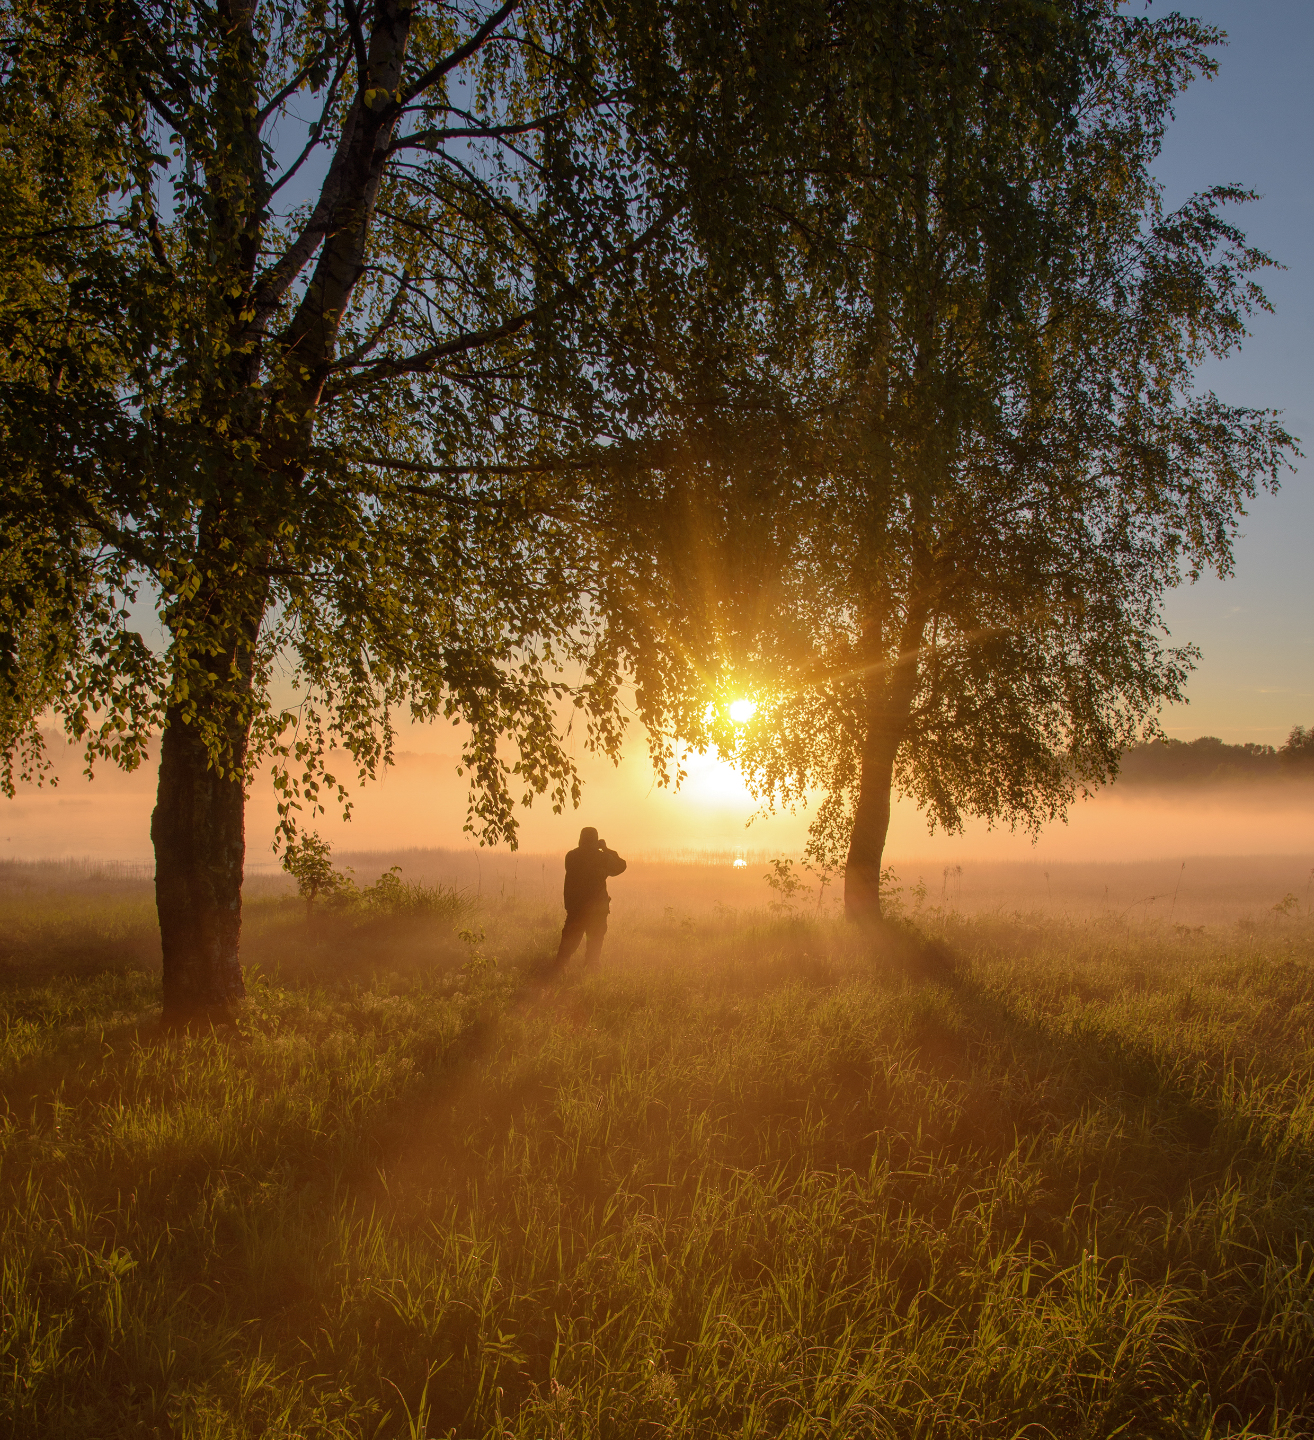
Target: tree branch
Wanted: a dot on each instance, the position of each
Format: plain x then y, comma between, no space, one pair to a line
382,328
461,54
423,139
424,360
357,43
415,467
316,134
293,85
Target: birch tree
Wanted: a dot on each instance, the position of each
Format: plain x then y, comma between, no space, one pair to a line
982,460
312,364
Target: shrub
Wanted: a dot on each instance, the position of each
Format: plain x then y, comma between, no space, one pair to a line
391,895
309,861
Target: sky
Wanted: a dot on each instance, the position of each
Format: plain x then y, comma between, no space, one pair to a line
1252,125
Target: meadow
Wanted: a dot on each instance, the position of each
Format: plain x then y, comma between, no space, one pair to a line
1005,1172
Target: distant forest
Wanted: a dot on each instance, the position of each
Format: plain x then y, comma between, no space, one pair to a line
1209,760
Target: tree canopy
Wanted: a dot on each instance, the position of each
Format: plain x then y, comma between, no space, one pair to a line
989,460
316,305
316,413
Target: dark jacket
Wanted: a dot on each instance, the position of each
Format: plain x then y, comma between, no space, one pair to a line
586,876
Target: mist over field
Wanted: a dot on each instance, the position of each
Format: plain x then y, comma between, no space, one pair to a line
1185,854
1039,1170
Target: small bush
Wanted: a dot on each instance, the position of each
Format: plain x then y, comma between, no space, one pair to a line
309,861
391,895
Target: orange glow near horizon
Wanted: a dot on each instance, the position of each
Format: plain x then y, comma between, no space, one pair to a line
422,803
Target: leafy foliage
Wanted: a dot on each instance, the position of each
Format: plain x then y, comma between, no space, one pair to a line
337,434
784,885
65,594
980,461
309,860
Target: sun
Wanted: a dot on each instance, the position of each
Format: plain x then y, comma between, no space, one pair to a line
741,711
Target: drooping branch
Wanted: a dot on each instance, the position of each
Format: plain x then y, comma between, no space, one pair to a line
460,55
426,360
415,467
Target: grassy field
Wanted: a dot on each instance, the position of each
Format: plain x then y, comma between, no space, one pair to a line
994,1177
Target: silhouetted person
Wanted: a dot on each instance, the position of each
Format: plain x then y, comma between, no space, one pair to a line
587,901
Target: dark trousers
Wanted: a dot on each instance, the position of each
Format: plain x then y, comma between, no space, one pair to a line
590,920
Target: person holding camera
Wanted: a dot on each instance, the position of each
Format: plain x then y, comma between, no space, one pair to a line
587,902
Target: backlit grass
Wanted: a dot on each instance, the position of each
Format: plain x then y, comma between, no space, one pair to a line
750,1178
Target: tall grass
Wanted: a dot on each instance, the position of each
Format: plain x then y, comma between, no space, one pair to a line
749,1178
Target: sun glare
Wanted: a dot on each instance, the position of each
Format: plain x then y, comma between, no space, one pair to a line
742,711
741,864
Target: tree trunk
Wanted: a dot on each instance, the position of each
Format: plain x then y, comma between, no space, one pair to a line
871,825
871,819
889,701
198,830
199,825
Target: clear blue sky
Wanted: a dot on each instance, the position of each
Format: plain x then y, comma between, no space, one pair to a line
1254,124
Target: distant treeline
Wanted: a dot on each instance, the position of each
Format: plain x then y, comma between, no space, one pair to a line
1209,760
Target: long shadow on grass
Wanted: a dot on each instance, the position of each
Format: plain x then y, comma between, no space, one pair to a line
1119,1134
1161,1161
1134,1129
